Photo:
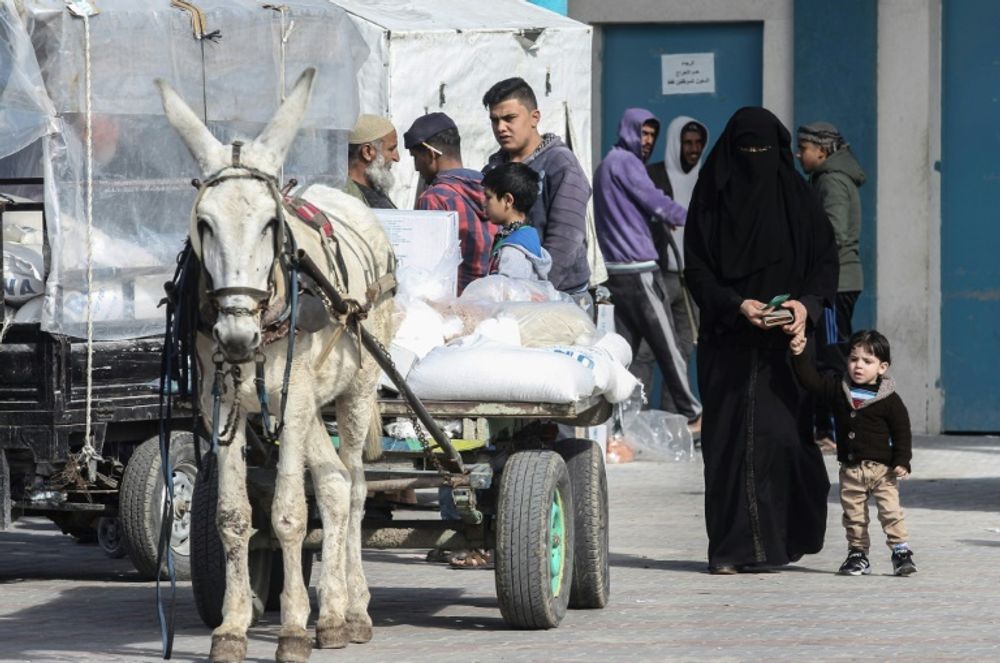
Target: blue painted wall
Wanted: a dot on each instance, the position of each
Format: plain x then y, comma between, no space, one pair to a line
558,6
631,73
970,216
835,81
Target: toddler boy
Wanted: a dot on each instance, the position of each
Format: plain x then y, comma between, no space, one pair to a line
873,445
511,189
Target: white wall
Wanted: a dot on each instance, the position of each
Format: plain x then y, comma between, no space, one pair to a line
778,75
908,303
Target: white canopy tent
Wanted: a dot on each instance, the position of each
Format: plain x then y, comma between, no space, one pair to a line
443,55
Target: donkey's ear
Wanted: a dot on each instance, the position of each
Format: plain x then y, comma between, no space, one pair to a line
204,147
277,136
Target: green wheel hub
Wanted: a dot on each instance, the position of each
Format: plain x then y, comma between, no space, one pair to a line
557,543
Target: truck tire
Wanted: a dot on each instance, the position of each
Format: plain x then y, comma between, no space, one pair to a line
140,506
208,557
110,537
591,578
534,546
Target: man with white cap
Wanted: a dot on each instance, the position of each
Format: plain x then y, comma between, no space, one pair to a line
372,147
676,176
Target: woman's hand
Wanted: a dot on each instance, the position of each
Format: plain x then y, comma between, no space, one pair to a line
798,325
753,311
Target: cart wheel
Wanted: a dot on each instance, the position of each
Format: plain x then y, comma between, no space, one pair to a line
277,581
109,537
141,504
534,560
591,578
208,557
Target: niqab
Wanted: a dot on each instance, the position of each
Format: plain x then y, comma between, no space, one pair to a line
754,209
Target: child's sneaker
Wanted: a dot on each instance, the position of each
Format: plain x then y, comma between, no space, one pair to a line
902,563
856,564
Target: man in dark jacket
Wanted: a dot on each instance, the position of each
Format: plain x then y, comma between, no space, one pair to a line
836,176
625,204
435,145
560,213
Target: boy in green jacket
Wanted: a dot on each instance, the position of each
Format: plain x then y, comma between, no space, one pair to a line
873,445
836,176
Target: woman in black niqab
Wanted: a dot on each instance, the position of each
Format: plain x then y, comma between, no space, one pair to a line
756,230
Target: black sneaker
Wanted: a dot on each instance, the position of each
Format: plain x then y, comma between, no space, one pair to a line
856,564
902,563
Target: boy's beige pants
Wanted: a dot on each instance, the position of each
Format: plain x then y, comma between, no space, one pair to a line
856,484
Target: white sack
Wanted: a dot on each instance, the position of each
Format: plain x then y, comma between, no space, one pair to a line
30,311
23,272
484,370
611,378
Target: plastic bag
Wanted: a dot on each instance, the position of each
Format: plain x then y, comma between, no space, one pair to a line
656,435
498,288
546,324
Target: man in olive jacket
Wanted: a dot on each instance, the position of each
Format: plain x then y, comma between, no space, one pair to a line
836,176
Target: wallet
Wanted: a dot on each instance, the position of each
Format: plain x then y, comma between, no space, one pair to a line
778,317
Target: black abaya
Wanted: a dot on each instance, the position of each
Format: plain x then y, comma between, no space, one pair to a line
755,230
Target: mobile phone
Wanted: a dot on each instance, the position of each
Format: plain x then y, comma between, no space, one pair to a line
777,301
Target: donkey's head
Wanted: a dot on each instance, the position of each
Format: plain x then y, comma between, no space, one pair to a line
236,225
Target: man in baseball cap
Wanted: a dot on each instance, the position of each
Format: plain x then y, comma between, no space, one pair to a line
372,148
435,145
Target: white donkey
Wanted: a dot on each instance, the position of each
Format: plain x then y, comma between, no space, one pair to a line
238,227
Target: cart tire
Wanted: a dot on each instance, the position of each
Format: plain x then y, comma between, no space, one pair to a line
591,578
534,560
110,537
141,504
208,557
277,582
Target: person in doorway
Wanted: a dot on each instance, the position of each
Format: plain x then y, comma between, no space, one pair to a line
372,148
625,205
873,445
836,175
676,176
511,190
435,145
755,230
560,213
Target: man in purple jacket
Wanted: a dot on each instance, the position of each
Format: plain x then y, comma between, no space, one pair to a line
626,202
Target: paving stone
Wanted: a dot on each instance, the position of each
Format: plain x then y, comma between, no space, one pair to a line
60,601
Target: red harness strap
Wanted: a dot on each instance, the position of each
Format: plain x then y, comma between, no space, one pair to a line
311,214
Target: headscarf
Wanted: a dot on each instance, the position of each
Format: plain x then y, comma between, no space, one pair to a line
753,208
682,183
823,134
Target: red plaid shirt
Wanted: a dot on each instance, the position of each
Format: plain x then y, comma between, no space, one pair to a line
461,190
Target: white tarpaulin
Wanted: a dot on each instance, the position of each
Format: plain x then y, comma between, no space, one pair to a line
142,172
443,55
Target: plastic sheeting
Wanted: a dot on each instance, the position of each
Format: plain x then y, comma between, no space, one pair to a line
26,113
142,171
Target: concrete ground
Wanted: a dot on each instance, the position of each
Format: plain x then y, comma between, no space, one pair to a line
60,601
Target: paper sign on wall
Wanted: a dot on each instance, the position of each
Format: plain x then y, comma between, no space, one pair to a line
688,73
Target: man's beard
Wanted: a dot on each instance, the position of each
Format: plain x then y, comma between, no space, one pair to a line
379,176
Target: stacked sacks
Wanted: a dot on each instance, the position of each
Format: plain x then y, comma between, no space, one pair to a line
23,272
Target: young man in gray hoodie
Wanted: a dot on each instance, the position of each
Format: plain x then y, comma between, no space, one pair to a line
560,213
836,176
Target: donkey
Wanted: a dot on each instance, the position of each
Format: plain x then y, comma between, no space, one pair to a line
238,228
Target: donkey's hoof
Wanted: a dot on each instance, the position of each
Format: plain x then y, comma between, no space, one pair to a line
228,648
294,646
359,632
332,637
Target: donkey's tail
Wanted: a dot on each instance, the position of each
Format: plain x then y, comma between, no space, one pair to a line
373,441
